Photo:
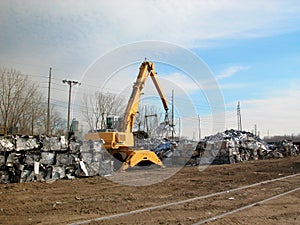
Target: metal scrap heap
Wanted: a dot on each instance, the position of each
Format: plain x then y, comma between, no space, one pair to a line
233,146
25,158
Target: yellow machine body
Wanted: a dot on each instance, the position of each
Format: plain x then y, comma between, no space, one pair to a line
121,143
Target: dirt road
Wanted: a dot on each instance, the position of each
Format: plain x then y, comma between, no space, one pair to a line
80,200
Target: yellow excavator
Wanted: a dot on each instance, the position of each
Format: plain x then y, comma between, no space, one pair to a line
120,144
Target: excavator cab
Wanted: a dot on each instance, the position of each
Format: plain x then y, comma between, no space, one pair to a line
112,123
109,122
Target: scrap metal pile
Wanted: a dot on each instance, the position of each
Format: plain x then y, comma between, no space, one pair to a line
24,158
233,146
170,152
43,158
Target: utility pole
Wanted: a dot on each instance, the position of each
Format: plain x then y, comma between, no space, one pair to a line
32,118
239,117
48,108
179,128
173,115
70,83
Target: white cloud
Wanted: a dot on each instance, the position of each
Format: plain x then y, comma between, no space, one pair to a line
70,34
107,24
182,81
231,71
278,113
233,86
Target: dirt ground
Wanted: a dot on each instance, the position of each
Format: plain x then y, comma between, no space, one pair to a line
72,201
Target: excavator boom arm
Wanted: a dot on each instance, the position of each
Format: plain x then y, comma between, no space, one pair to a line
146,69
159,90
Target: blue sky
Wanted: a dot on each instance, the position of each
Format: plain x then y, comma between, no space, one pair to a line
251,47
266,64
260,69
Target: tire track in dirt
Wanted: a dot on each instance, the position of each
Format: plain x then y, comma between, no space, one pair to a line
246,207
183,203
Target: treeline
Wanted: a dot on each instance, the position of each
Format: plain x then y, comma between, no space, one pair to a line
23,107
280,138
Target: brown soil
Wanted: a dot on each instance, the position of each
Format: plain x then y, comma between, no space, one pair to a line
71,201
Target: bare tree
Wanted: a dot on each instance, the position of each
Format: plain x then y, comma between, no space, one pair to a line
96,107
88,109
33,119
22,104
16,95
57,124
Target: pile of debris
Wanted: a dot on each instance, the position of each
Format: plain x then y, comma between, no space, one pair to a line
43,158
170,152
282,149
233,146
27,158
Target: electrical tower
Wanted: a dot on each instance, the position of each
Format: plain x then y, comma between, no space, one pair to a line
199,128
239,117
